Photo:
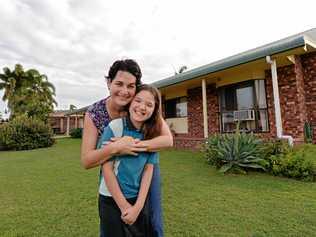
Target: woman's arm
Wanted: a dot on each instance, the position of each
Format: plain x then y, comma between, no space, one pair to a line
92,157
113,186
131,214
165,140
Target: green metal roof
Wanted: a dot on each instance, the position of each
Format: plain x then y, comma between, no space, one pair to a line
279,46
77,111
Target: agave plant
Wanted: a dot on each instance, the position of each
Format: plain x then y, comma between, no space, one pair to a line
308,132
237,151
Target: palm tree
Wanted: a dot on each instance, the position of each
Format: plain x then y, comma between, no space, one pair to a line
27,92
181,70
72,107
9,80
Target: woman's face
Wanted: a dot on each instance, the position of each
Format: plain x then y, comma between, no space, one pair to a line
122,88
142,106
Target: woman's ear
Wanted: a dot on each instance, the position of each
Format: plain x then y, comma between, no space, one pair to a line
108,83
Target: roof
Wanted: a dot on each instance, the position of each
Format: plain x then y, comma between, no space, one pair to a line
81,110
292,42
58,113
63,113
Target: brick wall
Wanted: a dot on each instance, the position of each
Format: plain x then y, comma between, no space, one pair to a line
213,110
195,136
195,113
297,88
309,68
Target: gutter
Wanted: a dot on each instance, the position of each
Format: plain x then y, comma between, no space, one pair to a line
277,109
276,47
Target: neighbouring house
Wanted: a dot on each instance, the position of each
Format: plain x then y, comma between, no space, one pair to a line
270,90
63,121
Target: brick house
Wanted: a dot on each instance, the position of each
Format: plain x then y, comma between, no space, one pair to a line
271,90
63,121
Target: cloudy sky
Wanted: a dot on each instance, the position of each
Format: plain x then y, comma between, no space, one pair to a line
74,42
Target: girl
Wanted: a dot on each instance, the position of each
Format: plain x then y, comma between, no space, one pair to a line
127,179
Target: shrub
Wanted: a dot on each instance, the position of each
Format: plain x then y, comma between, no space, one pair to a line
272,150
295,165
24,133
234,152
76,133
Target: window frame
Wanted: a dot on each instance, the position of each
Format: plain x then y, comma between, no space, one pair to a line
177,99
256,107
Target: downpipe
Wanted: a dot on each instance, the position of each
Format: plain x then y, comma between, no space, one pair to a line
277,109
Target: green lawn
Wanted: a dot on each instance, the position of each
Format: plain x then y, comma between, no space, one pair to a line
45,192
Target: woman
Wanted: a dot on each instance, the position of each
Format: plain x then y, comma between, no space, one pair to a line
123,78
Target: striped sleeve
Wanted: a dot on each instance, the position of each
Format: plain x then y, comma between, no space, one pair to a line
105,137
114,129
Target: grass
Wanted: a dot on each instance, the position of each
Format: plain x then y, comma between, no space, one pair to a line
45,192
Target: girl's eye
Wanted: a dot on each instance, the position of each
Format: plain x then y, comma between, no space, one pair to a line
150,105
131,86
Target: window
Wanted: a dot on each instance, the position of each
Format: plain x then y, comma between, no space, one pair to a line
244,102
176,108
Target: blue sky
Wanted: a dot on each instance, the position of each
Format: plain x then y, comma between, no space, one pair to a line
75,42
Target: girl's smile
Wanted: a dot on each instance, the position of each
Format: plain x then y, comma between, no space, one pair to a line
141,108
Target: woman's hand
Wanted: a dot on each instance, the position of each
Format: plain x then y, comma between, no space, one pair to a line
129,216
127,146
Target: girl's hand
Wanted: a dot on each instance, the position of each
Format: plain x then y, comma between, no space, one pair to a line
124,207
130,215
127,146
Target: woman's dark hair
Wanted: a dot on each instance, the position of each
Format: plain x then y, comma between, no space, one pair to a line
152,126
126,65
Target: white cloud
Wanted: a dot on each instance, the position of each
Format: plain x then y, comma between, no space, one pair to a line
75,42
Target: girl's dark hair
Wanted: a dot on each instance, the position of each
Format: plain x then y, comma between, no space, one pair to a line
126,65
152,126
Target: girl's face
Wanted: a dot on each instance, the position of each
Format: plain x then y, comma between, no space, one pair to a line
142,107
122,88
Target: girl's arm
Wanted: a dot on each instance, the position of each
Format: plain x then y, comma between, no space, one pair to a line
92,157
113,186
144,186
131,214
165,140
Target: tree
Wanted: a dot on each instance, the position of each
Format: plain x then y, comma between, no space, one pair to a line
181,70
72,107
27,92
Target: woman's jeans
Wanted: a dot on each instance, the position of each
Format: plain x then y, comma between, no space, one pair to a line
154,204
